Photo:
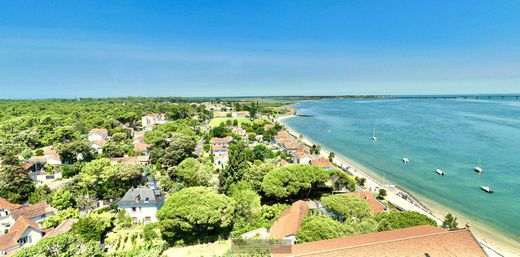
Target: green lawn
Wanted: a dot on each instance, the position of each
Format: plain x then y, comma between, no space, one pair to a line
216,121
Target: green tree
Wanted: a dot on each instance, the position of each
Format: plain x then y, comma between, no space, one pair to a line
75,151
450,222
119,137
381,194
196,214
314,228
40,194
93,227
349,208
15,184
171,151
61,199
66,244
60,216
190,172
256,172
293,180
261,152
248,208
237,165
402,219
331,156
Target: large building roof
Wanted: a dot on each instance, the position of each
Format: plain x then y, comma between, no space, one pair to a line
321,163
142,196
6,205
290,220
220,140
414,241
32,211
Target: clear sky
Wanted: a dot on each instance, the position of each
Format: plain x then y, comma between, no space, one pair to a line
237,48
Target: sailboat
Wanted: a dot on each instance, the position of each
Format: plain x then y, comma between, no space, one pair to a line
478,168
374,138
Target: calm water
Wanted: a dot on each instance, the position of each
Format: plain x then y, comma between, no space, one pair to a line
452,135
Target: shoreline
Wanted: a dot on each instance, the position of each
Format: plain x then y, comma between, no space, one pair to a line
501,246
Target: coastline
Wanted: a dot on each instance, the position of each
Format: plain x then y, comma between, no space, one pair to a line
495,243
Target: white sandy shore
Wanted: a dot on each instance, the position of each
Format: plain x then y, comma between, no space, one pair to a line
492,241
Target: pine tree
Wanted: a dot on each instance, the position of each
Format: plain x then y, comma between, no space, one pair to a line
234,171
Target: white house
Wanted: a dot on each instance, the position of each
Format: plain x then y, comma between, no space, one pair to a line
97,134
142,203
10,212
153,119
24,232
44,177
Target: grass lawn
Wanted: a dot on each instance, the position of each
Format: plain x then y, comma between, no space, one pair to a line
216,121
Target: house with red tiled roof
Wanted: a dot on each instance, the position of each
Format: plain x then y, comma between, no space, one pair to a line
130,160
10,212
302,156
221,141
375,205
322,163
6,207
426,241
289,222
24,232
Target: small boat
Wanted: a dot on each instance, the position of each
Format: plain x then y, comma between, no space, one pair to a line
486,189
478,169
440,172
374,138
405,160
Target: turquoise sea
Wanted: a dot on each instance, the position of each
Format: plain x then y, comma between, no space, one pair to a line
452,135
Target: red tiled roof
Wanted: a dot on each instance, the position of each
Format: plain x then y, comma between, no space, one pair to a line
282,134
141,147
219,148
413,241
284,162
27,165
99,142
32,211
219,140
290,220
322,163
375,206
6,205
11,239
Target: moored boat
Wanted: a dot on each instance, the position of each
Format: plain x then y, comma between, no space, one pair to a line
486,189
405,160
440,172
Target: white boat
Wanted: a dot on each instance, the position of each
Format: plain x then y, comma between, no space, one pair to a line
374,138
405,160
478,169
440,172
486,189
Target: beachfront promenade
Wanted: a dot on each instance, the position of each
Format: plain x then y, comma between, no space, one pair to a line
398,197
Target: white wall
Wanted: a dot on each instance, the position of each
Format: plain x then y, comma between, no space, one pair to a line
94,137
141,213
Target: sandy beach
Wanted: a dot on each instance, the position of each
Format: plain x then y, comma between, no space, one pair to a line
495,243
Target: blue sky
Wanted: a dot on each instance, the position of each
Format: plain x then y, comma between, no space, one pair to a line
236,48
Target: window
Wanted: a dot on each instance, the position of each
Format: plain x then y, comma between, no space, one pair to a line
24,240
134,208
147,219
